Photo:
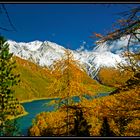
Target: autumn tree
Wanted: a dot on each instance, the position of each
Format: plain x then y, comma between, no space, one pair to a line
55,123
114,115
126,28
81,126
105,129
122,108
69,82
70,77
8,104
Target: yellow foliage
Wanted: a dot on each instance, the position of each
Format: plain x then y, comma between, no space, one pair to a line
69,78
122,111
133,128
113,77
55,122
123,106
34,131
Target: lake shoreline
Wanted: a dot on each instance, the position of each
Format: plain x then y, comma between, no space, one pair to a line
45,98
18,116
35,106
37,99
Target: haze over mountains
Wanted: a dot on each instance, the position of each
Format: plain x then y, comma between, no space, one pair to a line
45,53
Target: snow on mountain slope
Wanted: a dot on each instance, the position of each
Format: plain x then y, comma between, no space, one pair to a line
42,53
45,53
94,60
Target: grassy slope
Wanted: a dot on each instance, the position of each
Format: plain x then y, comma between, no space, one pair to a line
36,80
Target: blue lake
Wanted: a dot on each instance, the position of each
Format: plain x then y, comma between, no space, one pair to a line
37,106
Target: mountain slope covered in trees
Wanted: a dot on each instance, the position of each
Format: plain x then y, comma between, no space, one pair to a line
113,77
36,81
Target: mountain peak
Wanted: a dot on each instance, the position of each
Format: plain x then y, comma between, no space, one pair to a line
45,53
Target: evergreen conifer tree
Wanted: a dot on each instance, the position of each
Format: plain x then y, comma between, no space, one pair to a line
105,129
8,104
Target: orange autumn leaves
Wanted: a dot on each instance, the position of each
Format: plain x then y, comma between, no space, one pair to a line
113,77
69,78
49,120
52,123
122,111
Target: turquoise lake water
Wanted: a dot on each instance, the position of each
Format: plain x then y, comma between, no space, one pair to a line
35,107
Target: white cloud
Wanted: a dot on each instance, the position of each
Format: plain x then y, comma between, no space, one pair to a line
117,46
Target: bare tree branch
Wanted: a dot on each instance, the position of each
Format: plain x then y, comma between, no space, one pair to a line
9,20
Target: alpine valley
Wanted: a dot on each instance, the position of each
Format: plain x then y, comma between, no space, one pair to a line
34,60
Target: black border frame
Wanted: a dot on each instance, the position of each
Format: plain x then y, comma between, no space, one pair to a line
71,2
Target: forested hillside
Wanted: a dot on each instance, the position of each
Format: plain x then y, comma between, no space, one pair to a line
38,82
113,77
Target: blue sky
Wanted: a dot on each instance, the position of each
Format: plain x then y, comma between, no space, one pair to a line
69,25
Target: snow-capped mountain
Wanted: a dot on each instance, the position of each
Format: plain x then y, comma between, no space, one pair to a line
45,53
42,53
